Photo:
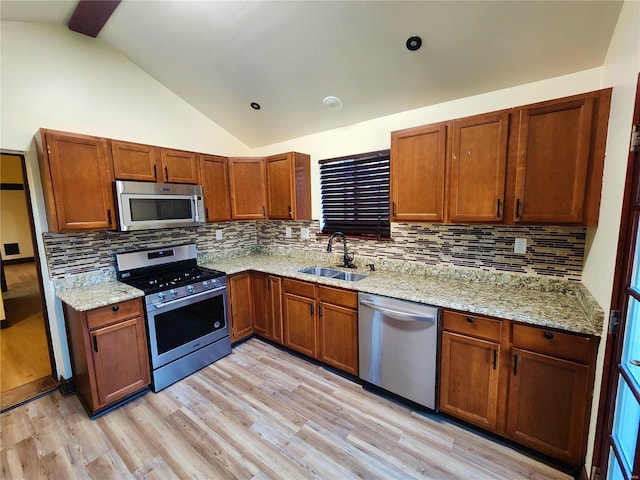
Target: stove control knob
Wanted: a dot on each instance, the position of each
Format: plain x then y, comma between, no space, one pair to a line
161,296
172,292
190,288
214,282
205,284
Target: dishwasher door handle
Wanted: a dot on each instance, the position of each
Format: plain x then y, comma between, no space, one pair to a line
397,314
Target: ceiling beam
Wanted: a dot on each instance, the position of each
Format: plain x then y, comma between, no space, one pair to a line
91,15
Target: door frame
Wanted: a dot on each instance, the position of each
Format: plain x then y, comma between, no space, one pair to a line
37,260
615,336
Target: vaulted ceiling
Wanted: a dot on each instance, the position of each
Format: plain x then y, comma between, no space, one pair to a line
287,56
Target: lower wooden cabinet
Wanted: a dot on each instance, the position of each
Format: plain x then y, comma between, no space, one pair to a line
338,328
109,354
300,317
240,303
529,384
267,304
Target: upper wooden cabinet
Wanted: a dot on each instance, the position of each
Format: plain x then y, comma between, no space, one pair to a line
417,173
552,164
288,186
133,161
77,181
247,182
215,185
477,168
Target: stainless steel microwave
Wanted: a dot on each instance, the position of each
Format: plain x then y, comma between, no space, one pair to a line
144,206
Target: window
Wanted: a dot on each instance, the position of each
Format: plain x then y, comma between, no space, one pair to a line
355,195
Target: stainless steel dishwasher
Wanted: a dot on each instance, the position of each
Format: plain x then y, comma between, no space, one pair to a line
398,343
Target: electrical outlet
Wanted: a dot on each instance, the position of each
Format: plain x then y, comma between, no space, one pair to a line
304,232
520,246
219,234
287,232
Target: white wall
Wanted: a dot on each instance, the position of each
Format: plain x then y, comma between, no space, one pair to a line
621,69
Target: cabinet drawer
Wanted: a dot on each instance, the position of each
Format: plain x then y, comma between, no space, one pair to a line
337,296
113,313
297,287
560,344
473,325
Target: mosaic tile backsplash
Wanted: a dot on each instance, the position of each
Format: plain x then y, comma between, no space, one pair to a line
551,251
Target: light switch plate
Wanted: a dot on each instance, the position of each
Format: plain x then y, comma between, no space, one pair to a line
520,246
287,232
304,232
219,234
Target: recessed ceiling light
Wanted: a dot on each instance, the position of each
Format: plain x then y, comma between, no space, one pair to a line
255,105
332,103
414,43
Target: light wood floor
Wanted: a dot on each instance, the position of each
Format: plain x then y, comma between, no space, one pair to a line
24,354
259,413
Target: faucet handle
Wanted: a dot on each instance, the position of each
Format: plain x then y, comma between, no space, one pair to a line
372,267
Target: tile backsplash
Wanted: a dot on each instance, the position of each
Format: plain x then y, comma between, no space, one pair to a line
551,251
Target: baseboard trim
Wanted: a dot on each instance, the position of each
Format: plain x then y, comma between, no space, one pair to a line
4,323
13,261
67,386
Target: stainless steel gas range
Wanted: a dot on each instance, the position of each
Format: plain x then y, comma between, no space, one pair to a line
186,310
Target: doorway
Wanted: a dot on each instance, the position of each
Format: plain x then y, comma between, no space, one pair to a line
26,356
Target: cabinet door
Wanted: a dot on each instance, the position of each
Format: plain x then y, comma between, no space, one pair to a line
179,166
247,184
469,379
241,306
274,287
261,305
78,182
120,360
280,188
215,184
300,324
133,161
338,337
417,173
547,405
477,168
554,144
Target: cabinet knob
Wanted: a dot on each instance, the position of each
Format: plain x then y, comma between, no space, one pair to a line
115,308
548,335
470,319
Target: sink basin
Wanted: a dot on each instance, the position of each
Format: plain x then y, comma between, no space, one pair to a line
333,273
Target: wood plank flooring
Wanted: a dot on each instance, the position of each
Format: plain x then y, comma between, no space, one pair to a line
259,413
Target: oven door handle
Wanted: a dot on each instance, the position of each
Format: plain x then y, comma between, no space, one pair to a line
188,299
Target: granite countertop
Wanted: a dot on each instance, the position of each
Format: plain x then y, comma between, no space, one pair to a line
539,301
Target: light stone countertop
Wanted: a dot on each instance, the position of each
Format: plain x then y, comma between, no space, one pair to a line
550,303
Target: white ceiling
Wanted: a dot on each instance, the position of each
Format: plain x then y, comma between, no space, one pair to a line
220,56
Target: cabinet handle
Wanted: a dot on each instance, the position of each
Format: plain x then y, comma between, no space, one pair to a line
495,359
115,308
311,309
515,365
518,208
206,212
109,216
290,212
166,174
319,311
498,212
155,172
95,344
393,208
470,319
269,284
548,335
264,211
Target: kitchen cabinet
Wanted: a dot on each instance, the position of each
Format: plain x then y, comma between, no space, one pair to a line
215,186
134,161
529,384
240,295
300,322
417,173
267,299
288,186
77,181
469,368
477,168
109,356
247,183
338,328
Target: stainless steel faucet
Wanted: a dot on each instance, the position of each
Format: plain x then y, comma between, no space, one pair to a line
347,257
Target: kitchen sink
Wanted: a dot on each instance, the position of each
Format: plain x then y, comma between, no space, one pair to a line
333,273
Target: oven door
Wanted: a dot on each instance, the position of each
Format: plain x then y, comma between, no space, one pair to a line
179,327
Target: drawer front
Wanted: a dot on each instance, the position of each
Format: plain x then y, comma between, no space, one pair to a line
116,312
474,325
298,287
560,344
337,296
